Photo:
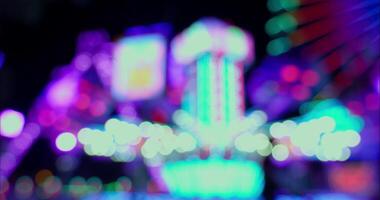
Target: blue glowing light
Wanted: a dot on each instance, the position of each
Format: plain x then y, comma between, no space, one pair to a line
2,59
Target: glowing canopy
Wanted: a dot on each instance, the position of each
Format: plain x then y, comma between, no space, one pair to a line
211,35
214,177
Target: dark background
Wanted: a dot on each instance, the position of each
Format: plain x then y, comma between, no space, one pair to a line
39,35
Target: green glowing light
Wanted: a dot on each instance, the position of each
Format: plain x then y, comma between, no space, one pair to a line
344,119
278,5
227,94
282,23
279,46
214,177
213,94
203,89
289,4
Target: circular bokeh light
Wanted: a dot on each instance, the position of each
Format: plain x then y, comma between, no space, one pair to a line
66,141
24,187
290,73
280,152
11,123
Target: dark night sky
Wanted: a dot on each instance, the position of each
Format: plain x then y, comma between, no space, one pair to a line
39,35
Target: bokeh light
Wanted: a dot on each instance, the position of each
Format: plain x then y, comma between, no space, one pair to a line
280,152
66,141
24,187
290,73
11,123
155,114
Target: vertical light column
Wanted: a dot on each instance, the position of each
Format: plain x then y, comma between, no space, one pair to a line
214,94
204,89
217,52
230,94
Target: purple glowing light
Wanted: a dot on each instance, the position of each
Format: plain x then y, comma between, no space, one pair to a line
82,62
62,93
8,161
11,123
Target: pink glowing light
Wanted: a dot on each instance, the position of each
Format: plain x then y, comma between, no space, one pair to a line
11,123
98,108
290,73
83,102
310,78
300,92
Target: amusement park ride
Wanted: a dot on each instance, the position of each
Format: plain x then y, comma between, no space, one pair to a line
179,106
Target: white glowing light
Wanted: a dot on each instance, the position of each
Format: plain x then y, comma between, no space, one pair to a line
245,143
280,130
150,148
261,141
265,151
119,135
317,137
66,141
280,152
11,123
185,143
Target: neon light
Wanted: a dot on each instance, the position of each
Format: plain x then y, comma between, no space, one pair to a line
139,68
214,177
